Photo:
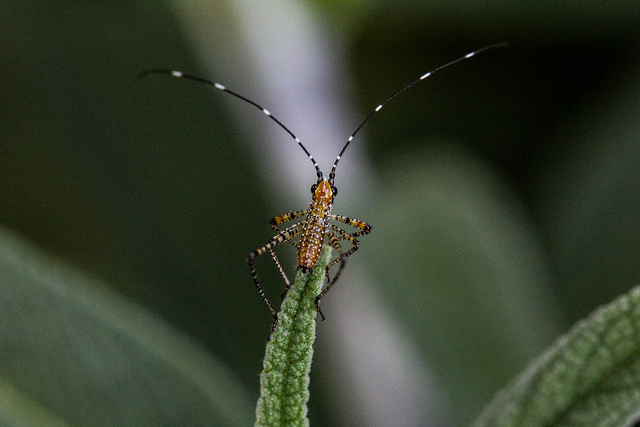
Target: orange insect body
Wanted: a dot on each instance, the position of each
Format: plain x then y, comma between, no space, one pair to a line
316,225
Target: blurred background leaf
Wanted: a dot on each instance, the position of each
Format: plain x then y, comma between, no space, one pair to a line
75,352
503,191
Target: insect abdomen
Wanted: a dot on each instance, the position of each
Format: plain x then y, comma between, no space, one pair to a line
311,242
315,227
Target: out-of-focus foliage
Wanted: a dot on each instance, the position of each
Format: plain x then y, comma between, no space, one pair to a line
75,353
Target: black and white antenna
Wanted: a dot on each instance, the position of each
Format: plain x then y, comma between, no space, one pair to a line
296,139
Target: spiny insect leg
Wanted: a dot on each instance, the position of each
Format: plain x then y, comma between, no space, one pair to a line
282,273
366,228
286,217
342,260
334,241
336,234
273,222
283,236
344,236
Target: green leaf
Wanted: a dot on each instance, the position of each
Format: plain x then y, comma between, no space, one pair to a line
590,376
72,352
461,265
284,382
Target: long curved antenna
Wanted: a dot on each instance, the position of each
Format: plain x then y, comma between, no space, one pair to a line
230,92
410,85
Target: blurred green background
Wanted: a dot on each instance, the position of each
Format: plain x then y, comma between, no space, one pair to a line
503,191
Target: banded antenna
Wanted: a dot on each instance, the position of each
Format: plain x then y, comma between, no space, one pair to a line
296,139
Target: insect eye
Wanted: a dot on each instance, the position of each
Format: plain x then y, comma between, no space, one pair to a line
313,188
334,190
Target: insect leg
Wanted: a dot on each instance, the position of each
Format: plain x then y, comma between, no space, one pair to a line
282,273
286,217
273,222
343,235
283,236
366,228
336,234
334,241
